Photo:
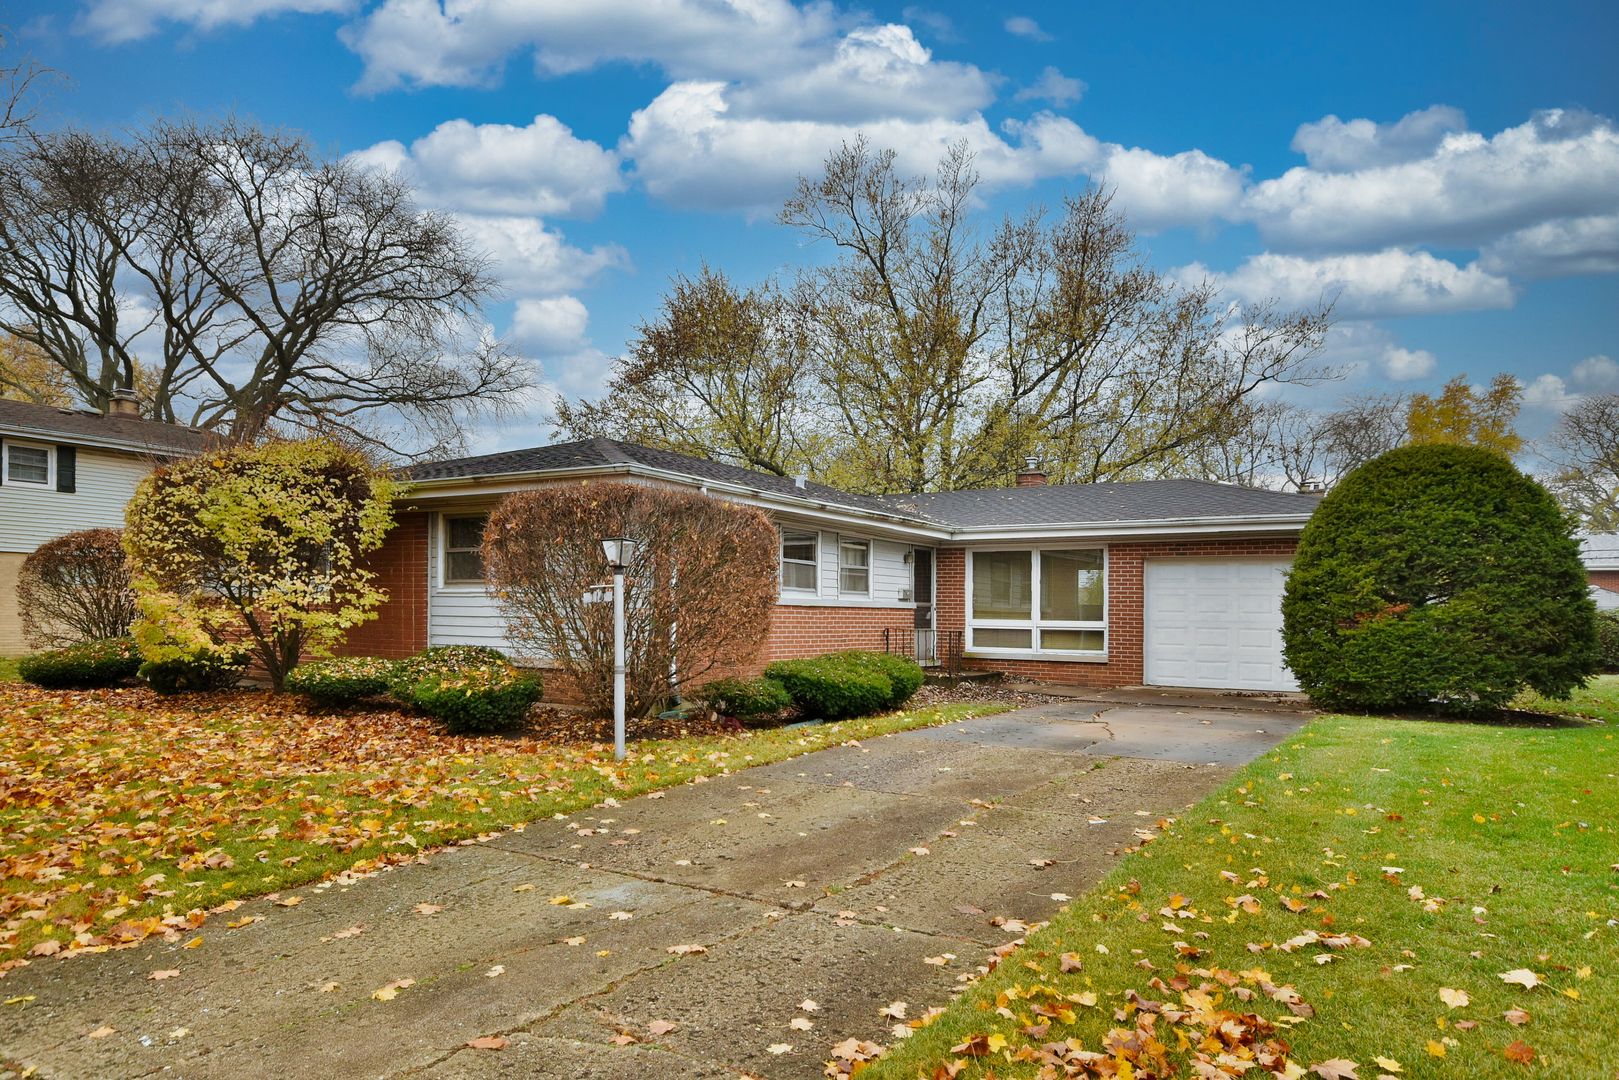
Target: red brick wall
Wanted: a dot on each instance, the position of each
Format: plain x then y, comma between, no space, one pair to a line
1124,665
1607,579
803,630
400,627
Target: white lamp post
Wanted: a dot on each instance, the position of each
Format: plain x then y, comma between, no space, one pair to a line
620,551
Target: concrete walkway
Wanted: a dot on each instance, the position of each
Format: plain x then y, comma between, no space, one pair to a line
831,878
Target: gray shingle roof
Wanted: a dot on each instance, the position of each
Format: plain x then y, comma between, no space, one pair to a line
1073,504
602,453
1056,504
1600,549
67,425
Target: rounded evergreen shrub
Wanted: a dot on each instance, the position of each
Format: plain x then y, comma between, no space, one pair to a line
1608,640
1439,577
440,659
82,667
904,673
475,698
342,680
216,667
746,699
853,683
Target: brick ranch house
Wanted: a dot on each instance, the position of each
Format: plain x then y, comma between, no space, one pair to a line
1165,582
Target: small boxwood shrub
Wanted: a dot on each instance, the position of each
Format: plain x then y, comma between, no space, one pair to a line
845,684
1608,640
746,699
343,680
214,668
469,688
438,660
82,667
475,698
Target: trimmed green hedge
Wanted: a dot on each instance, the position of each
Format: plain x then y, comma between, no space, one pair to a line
82,667
438,660
746,699
213,669
1437,577
343,680
486,697
840,685
470,688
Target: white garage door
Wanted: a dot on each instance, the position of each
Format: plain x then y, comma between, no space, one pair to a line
1216,623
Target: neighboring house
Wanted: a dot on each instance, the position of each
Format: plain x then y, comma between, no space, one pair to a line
1600,552
1171,582
62,470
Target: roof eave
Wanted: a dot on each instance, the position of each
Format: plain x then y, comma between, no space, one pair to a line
102,442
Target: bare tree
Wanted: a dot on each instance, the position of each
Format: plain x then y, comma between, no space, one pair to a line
1585,450
720,373
928,355
268,288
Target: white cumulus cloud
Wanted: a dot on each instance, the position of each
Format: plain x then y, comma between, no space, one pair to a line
540,168
1363,285
1586,245
115,21
550,324
1549,392
533,260
1054,87
1403,365
1334,145
1158,191
1469,190
1025,27
1597,374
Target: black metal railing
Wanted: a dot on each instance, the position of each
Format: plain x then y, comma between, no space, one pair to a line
938,650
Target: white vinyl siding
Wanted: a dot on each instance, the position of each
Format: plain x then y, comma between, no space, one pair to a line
887,573
106,480
460,614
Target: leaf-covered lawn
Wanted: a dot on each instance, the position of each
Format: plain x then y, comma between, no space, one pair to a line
123,814
1377,897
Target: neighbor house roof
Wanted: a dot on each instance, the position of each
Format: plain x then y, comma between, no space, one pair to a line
1600,551
1069,504
1143,503
85,428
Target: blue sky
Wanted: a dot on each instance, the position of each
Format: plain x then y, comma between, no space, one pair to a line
1449,171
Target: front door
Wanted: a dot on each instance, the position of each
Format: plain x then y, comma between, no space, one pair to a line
922,593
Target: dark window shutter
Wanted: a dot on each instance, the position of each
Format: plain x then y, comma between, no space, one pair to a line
2,458
67,468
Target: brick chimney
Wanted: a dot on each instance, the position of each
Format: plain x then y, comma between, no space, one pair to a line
1031,475
124,403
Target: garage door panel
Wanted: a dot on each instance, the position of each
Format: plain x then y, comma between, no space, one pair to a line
1215,623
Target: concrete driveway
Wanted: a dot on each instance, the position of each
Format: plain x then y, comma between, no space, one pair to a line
717,908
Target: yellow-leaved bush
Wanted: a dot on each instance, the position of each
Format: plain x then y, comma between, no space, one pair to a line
259,548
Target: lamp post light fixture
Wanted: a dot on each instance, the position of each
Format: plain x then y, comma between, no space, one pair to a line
619,551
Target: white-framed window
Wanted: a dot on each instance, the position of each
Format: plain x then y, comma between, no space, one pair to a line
800,562
1038,600
28,464
463,548
854,567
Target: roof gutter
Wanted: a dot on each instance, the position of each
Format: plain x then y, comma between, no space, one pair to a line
506,482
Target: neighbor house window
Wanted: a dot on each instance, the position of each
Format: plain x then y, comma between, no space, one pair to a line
27,464
1051,600
854,567
463,549
799,566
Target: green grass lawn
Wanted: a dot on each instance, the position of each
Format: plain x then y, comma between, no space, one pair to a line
8,669
1457,851
123,814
